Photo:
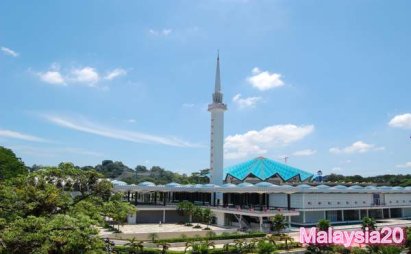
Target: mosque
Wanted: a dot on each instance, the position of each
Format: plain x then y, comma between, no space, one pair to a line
247,195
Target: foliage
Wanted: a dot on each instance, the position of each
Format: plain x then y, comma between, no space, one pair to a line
323,225
393,180
279,223
223,236
135,246
186,208
153,236
264,247
10,165
39,214
369,223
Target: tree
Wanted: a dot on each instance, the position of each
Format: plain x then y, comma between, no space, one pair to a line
186,208
10,165
135,246
369,223
279,223
323,225
38,215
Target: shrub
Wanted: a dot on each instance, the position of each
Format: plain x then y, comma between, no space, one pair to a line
264,247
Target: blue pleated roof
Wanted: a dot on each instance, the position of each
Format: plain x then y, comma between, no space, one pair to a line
264,169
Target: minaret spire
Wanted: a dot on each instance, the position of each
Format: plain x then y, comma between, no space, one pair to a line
217,75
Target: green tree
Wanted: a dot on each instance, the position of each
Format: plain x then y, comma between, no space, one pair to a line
186,208
10,165
279,223
323,225
369,223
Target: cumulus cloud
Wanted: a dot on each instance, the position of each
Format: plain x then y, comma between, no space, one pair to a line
19,135
248,102
305,152
356,147
52,77
161,32
405,165
258,142
401,121
264,80
88,76
115,73
83,125
9,52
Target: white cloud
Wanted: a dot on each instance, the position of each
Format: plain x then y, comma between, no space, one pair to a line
9,52
52,77
306,152
188,105
258,142
131,120
356,147
405,165
115,73
87,75
264,80
19,135
162,32
83,125
245,102
401,121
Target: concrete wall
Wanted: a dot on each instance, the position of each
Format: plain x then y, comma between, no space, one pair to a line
328,200
397,199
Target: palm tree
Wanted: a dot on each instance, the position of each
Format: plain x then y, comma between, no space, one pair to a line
153,237
279,223
134,246
186,208
369,223
164,247
323,225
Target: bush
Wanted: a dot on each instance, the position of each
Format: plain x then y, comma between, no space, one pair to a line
224,236
264,247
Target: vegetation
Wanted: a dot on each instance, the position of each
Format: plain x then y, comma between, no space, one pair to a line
393,180
39,214
369,223
323,225
10,165
279,223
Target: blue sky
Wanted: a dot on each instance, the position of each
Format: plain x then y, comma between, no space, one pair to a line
325,83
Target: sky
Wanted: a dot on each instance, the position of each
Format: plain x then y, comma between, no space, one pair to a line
324,83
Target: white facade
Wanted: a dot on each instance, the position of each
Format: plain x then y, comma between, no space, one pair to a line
217,108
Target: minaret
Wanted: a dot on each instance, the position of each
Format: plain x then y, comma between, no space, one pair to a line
217,108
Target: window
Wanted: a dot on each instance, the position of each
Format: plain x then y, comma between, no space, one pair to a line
363,202
338,202
319,203
347,202
355,202
309,203
330,202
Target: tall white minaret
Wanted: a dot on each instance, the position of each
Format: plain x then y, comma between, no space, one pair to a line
217,108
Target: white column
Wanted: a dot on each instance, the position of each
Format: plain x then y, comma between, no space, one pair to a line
164,216
342,215
239,222
261,224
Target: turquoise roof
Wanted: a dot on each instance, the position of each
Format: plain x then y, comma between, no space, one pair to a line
264,169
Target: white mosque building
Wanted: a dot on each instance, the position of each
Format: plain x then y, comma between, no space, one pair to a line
247,195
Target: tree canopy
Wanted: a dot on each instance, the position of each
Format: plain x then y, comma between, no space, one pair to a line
57,210
10,165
